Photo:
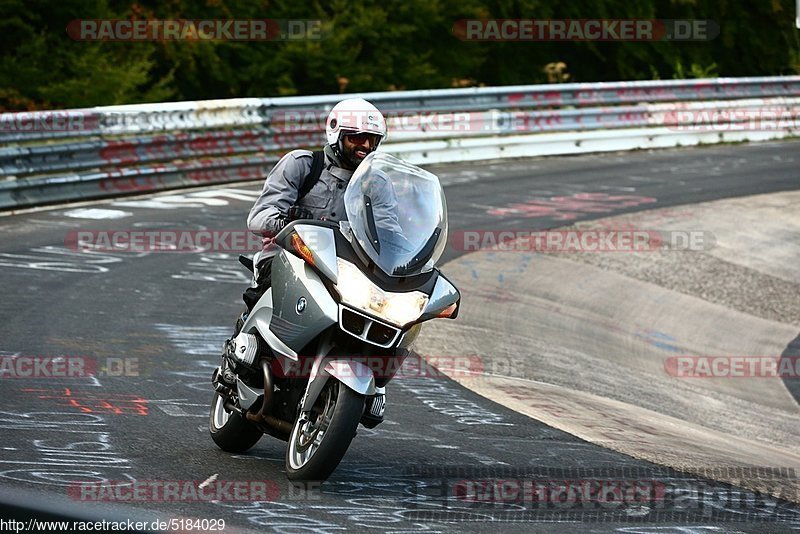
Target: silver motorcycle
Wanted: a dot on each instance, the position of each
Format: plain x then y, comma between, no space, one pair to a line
347,301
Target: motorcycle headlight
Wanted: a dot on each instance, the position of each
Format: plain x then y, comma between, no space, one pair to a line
357,291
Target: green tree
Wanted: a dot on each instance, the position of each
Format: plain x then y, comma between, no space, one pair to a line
40,66
366,46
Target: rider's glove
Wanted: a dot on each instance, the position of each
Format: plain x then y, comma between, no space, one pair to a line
298,212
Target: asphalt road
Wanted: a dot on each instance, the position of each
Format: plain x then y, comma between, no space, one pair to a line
152,324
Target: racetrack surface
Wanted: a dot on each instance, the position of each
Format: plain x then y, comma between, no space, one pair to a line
603,343
166,314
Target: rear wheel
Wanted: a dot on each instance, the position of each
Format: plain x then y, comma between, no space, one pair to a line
229,431
318,444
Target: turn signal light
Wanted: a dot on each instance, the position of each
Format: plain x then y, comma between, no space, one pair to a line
448,311
302,249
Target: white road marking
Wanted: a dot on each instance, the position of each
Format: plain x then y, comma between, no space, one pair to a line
198,199
234,194
208,481
96,213
196,340
171,202
177,411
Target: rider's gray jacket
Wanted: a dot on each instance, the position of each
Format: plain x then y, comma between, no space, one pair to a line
325,200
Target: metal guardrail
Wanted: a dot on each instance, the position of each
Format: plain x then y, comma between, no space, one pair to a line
55,156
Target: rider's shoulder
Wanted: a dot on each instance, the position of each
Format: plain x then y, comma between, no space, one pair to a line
300,153
294,163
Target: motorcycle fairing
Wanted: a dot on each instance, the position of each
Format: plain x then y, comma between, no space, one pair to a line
302,305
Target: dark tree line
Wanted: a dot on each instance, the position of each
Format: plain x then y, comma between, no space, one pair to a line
366,46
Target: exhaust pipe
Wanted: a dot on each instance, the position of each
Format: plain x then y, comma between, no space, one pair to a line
262,416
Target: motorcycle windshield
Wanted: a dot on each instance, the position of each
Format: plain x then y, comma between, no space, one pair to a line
397,213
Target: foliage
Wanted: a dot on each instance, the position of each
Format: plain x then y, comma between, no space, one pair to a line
366,46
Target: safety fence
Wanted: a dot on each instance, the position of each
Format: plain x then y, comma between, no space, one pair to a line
67,155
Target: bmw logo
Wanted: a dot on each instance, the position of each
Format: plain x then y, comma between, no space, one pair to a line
301,305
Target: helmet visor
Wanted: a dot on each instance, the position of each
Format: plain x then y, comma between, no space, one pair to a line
359,138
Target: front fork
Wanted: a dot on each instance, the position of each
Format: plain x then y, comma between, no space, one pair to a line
352,374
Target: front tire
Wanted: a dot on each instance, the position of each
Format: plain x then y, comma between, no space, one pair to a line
316,447
229,431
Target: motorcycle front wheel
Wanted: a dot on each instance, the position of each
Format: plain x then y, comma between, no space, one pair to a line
317,444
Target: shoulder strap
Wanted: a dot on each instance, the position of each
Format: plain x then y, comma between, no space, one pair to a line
317,164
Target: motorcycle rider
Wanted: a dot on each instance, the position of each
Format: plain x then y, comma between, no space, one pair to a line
353,129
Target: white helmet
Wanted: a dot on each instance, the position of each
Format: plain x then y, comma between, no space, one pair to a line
354,115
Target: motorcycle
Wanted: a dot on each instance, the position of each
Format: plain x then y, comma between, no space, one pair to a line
347,300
